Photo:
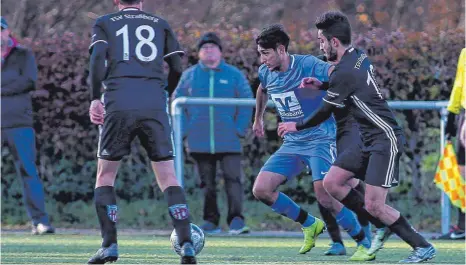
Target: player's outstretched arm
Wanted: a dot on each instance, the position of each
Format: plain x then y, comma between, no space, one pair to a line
311,83
261,103
320,115
317,117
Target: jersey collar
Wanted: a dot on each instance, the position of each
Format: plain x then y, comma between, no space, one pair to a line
348,50
290,65
291,62
130,9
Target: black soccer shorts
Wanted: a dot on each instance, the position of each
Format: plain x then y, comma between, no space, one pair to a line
376,164
121,127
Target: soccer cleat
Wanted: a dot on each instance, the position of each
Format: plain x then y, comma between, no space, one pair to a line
237,226
210,228
336,249
420,255
104,255
310,235
188,254
361,254
42,229
381,236
454,234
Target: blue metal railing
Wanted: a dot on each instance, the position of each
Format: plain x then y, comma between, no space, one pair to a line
179,103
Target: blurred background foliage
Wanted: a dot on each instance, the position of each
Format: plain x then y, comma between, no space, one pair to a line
414,45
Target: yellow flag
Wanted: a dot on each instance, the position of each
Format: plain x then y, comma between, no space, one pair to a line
448,177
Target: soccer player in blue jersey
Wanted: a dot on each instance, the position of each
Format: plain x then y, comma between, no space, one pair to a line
280,77
352,85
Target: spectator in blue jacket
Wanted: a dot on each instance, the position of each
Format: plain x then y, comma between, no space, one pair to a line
19,75
213,133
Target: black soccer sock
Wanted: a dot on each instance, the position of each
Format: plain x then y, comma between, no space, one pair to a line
460,219
332,227
107,210
355,202
179,212
405,231
361,189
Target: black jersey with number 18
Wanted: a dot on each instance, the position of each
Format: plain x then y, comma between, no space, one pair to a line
353,85
137,43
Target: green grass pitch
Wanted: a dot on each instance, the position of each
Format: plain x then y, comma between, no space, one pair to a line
76,249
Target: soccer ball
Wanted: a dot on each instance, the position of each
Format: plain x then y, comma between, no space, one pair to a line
197,236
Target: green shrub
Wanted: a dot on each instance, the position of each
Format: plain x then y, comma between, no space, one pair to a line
410,65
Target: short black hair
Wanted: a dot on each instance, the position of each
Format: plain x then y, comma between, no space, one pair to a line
272,36
130,2
335,24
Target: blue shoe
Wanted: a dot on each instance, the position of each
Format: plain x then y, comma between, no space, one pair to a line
188,254
336,249
368,232
237,226
210,228
104,255
420,255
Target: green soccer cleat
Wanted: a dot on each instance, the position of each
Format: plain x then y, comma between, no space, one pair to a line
310,235
361,254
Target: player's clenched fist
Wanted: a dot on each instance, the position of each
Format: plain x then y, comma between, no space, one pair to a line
96,112
286,127
311,83
258,128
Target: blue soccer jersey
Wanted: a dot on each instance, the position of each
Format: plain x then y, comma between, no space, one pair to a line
295,104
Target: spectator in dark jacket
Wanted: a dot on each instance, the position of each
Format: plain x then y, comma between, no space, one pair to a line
213,133
19,74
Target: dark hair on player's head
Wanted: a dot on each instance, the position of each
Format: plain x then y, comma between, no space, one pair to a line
273,36
130,2
335,24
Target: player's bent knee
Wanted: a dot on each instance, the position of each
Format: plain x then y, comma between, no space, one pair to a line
106,172
259,192
374,208
326,202
330,185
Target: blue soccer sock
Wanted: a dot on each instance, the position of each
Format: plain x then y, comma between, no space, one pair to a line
347,220
287,207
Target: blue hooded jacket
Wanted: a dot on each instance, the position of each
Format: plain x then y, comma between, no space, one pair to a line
214,129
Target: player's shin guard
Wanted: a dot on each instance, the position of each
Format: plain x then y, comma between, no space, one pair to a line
361,189
355,202
107,210
348,221
179,212
285,206
405,231
331,223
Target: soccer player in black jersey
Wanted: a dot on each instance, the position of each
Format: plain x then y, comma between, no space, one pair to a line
127,53
352,85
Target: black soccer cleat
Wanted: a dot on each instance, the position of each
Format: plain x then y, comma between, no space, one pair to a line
104,255
188,254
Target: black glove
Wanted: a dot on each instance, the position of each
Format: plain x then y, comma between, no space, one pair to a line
450,128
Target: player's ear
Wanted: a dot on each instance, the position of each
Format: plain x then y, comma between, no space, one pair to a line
281,49
334,42
116,2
